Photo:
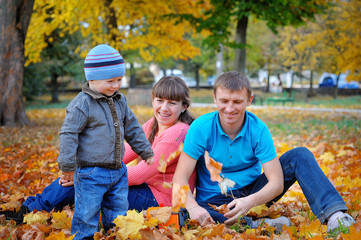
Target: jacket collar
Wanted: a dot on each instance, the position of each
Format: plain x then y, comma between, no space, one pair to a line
96,95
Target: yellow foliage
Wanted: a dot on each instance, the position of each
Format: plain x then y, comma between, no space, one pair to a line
313,229
258,209
139,25
130,225
61,220
333,41
39,217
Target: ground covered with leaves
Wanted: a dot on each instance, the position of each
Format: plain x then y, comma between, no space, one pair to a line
28,164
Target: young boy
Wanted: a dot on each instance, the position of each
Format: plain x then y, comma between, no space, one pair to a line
97,122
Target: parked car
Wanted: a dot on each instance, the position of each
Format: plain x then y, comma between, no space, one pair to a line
330,79
211,80
191,82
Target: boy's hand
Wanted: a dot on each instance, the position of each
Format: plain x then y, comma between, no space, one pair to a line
66,179
149,161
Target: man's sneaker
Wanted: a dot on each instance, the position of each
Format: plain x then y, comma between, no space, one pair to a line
343,220
18,216
276,222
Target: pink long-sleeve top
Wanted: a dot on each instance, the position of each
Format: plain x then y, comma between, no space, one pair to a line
164,143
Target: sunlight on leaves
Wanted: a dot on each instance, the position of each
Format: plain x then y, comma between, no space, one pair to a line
129,225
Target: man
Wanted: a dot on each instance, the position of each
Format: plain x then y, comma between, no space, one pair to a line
242,143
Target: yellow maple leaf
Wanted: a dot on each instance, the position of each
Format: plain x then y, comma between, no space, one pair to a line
130,225
176,153
167,185
327,158
313,229
283,147
190,234
132,163
152,222
179,196
61,220
162,164
341,153
39,217
257,210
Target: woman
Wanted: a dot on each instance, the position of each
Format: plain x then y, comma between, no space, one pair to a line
165,131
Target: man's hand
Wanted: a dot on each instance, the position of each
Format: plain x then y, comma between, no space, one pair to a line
200,214
66,179
239,207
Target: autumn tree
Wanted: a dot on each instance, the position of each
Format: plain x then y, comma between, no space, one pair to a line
14,21
298,49
274,12
331,43
128,26
136,26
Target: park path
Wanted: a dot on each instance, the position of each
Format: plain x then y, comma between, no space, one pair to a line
336,110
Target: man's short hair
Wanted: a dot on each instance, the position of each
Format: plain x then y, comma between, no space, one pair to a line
233,81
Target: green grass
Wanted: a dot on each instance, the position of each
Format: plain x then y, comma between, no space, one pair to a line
325,101
206,96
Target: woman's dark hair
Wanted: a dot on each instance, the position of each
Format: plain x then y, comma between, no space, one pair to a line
171,88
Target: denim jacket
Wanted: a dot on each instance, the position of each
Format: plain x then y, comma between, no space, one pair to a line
94,131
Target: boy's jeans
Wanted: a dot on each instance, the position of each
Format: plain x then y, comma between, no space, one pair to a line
98,190
300,165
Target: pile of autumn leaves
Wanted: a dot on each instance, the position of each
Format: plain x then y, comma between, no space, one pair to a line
28,164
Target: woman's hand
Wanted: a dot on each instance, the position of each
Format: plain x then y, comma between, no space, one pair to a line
239,208
66,179
200,214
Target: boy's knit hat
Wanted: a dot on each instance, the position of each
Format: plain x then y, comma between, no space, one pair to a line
103,62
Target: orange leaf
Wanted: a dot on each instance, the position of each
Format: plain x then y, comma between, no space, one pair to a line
179,197
214,168
222,209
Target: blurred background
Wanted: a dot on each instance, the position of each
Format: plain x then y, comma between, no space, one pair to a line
303,50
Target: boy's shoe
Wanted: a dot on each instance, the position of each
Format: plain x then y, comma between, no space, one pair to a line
276,222
344,220
18,216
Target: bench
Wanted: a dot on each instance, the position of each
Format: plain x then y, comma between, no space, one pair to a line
282,98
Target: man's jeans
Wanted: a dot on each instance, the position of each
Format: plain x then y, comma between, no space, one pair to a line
98,190
300,165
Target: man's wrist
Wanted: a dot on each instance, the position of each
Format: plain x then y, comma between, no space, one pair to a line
191,207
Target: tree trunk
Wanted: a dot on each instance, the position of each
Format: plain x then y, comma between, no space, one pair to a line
240,53
14,21
197,67
132,81
54,86
111,20
335,89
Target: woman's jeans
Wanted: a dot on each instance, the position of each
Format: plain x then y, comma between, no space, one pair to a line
300,165
55,196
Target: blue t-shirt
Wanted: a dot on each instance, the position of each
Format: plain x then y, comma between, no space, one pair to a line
241,157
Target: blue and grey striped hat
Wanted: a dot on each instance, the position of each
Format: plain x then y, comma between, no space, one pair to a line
103,62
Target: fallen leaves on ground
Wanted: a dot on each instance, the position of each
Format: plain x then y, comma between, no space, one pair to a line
28,164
